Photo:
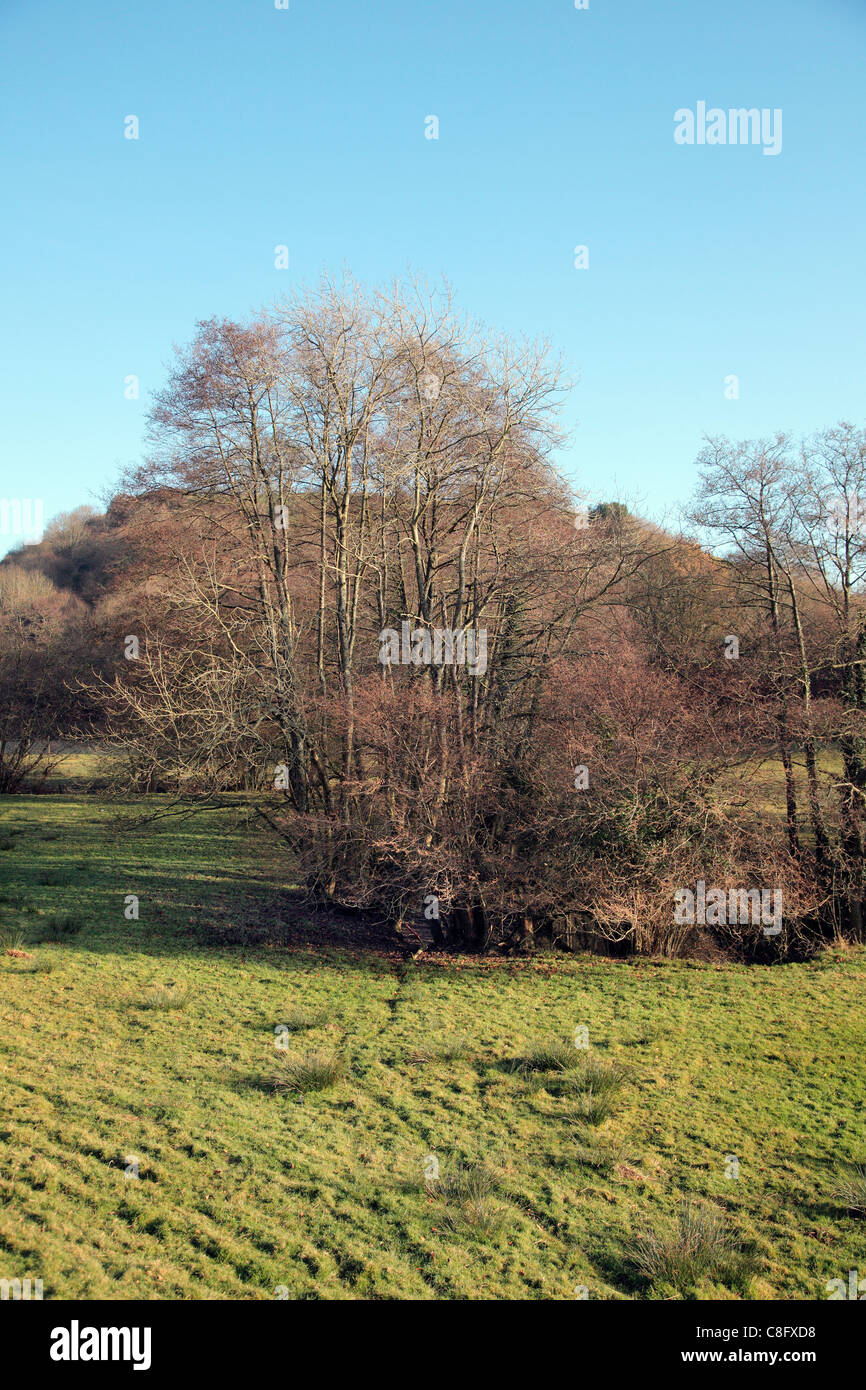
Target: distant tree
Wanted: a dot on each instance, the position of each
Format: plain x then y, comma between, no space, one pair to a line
608,511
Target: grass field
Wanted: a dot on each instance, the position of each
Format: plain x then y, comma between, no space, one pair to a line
154,1144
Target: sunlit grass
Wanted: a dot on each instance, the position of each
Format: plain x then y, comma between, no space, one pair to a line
240,1190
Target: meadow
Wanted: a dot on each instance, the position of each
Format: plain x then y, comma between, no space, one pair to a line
439,1128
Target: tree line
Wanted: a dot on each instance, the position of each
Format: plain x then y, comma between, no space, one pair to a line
349,495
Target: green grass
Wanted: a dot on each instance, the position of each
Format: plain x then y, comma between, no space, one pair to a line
242,1186
763,780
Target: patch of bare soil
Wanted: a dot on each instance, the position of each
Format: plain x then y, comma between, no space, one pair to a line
289,919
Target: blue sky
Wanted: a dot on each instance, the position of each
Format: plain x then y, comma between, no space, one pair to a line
305,127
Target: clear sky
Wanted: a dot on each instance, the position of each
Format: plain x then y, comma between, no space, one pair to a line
306,127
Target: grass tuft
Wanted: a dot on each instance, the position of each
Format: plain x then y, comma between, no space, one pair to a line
597,1151
555,1056
698,1247
465,1182
850,1190
456,1049
467,1191
300,1017
165,997
593,1106
11,939
61,926
315,1070
595,1074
